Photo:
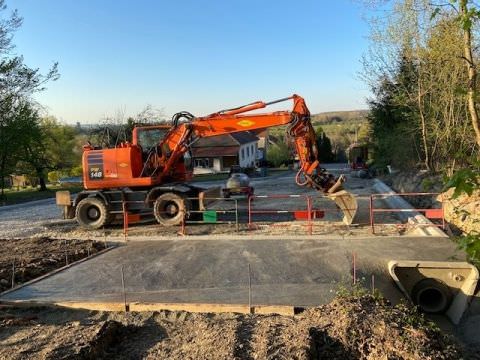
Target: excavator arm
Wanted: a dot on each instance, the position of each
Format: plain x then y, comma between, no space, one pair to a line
187,129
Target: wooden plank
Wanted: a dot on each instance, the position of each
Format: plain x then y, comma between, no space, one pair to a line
213,308
140,307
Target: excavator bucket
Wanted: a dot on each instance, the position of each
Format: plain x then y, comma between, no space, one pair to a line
344,201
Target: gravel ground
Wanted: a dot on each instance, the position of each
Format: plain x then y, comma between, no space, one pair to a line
43,218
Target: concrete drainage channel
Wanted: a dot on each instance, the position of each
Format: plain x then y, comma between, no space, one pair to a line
422,225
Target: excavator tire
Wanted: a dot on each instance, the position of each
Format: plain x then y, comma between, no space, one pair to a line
92,213
170,208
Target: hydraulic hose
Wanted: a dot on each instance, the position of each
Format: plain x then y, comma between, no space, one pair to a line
297,178
181,115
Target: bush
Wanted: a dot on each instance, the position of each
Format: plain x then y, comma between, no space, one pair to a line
278,154
76,171
54,176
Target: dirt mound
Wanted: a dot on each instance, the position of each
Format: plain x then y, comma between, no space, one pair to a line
368,328
462,213
347,328
31,258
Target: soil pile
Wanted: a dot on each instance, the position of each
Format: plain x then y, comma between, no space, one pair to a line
347,328
463,212
31,258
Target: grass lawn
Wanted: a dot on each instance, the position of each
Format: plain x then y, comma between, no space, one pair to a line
12,196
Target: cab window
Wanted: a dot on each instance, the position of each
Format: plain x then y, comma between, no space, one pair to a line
148,138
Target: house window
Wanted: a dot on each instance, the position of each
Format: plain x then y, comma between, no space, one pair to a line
202,163
243,154
248,151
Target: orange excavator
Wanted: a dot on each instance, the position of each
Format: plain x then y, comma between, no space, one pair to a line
151,173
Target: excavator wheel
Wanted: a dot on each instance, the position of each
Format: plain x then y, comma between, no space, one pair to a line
170,208
92,213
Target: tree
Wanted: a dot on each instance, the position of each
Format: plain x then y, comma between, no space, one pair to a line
278,154
469,14
421,91
17,83
49,146
324,146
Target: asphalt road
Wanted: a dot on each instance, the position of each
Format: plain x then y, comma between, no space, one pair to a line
288,272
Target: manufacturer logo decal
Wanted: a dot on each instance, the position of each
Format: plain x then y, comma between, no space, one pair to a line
246,123
123,165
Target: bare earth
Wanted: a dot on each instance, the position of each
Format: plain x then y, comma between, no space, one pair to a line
347,328
33,257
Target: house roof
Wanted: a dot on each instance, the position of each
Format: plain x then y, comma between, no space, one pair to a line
233,139
215,151
261,133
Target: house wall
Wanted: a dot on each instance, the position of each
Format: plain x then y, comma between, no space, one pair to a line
228,161
215,164
247,154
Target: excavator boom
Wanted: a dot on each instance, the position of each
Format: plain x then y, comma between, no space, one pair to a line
184,133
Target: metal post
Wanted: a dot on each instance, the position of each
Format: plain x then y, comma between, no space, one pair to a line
105,238
236,215
125,218
13,273
182,225
250,289
309,215
123,291
443,211
354,268
66,252
372,224
250,212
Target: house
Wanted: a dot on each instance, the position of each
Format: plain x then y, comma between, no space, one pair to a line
262,144
219,153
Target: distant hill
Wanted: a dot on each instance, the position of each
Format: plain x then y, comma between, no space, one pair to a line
340,116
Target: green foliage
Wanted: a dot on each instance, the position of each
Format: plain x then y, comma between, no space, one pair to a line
19,130
470,243
346,289
278,154
76,171
324,146
465,181
419,114
393,136
55,175
427,184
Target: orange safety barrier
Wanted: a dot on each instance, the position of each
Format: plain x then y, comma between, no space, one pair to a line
210,214
296,214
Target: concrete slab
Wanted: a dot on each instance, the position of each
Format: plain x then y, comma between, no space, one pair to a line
284,272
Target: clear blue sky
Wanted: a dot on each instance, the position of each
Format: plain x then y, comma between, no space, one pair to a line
194,55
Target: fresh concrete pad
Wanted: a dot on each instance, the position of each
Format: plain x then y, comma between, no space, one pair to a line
283,272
